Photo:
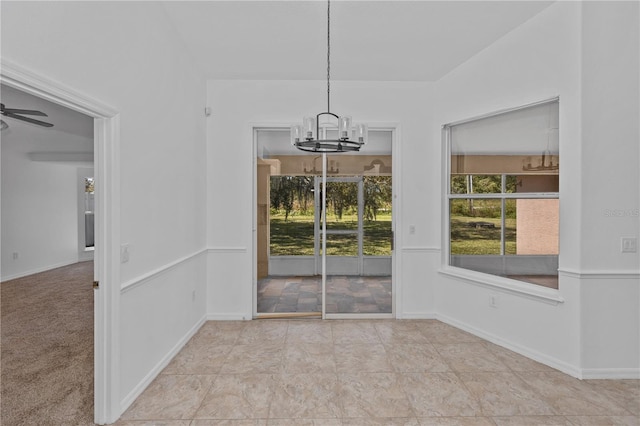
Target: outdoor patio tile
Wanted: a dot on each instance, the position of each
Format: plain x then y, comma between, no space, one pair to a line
267,304
367,308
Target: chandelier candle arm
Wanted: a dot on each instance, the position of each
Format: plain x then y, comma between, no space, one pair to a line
313,136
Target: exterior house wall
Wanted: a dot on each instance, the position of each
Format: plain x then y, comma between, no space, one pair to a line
537,226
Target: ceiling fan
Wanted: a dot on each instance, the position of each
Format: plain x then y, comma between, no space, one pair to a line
18,114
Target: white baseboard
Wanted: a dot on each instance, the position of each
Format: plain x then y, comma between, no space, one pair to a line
417,315
610,373
229,317
524,351
40,269
155,371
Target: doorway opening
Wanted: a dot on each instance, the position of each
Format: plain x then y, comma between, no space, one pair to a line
106,270
358,221
47,277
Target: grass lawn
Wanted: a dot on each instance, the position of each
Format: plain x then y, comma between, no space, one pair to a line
295,236
468,239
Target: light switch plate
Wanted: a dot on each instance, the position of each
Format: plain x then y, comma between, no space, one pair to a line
629,245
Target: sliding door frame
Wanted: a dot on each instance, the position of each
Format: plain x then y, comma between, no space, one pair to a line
396,253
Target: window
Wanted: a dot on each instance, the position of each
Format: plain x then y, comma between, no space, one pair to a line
89,203
503,194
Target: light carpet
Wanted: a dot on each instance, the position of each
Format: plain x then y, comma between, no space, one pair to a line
47,348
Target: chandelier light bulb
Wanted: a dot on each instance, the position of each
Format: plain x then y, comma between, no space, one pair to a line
309,124
344,127
296,134
362,133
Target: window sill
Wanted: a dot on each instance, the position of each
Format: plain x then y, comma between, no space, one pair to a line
518,288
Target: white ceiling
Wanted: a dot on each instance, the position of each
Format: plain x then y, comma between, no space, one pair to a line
71,131
370,40
63,119
286,40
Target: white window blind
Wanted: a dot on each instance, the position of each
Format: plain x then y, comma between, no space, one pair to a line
525,131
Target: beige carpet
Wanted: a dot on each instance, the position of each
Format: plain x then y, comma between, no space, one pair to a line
47,348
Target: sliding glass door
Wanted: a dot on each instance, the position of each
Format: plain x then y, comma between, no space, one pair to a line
323,229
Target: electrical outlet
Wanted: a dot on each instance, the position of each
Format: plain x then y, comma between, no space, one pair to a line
493,301
628,245
124,253
412,229
16,255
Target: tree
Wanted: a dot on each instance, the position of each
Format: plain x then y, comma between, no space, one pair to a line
291,193
342,196
377,195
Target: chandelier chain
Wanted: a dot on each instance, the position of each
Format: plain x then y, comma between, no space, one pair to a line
328,55
305,139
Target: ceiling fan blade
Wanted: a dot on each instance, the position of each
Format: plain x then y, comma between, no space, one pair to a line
24,112
28,120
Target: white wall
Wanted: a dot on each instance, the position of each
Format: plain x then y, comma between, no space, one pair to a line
610,187
127,55
561,52
236,105
539,60
39,201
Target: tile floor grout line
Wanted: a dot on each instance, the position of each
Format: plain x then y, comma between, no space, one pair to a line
205,396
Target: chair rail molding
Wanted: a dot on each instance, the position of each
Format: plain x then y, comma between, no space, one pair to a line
147,277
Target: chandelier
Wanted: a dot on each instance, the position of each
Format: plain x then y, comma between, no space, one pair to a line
328,132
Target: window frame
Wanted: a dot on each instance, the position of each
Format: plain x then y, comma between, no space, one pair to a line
528,290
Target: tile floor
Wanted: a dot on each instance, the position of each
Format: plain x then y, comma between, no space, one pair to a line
345,294
377,372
